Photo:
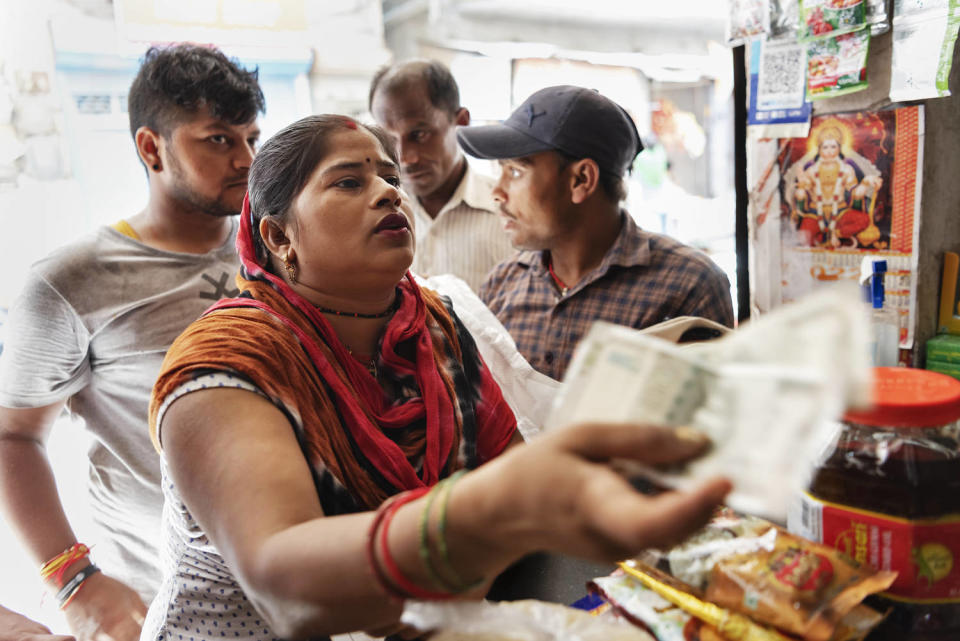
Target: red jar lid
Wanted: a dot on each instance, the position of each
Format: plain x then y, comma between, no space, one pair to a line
907,397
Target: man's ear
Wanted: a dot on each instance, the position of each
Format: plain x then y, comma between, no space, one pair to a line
462,117
148,148
584,179
274,237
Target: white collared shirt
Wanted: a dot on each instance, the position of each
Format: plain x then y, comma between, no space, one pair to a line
466,238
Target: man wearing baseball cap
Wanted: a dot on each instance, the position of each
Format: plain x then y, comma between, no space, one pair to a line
563,155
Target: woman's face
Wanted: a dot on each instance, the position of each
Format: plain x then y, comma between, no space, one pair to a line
347,228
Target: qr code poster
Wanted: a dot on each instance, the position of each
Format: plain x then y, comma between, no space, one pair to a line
778,106
850,189
781,82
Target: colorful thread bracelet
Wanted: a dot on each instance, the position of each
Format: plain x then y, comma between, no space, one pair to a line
392,569
463,586
70,589
56,566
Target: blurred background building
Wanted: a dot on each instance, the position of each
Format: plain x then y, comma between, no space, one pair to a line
67,162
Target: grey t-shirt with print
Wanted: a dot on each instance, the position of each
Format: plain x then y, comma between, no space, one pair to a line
91,326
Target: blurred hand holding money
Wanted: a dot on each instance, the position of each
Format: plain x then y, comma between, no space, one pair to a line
767,394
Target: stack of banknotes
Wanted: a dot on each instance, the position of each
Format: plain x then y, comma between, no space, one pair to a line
768,394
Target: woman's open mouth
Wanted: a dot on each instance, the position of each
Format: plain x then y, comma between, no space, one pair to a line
393,224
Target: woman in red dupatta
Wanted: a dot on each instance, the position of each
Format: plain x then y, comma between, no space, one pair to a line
288,416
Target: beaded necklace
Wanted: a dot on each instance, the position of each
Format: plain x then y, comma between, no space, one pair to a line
369,363
393,307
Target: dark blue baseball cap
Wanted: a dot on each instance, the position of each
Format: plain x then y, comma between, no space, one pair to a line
577,121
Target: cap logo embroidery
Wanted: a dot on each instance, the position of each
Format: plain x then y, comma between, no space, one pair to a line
531,114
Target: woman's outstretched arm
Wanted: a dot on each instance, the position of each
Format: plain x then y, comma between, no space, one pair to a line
240,471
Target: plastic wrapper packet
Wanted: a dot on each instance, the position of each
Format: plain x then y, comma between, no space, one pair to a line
820,18
752,567
667,621
837,65
678,618
527,620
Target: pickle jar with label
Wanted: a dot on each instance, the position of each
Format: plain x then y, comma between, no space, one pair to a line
887,493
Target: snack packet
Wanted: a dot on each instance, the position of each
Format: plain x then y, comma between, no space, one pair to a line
857,624
720,623
757,569
837,65
644,606
820,18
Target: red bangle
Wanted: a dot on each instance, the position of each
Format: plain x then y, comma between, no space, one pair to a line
378,574
392,569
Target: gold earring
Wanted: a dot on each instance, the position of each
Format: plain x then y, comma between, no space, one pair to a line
291,268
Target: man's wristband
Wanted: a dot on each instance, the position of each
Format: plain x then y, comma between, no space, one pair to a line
71,587
58,565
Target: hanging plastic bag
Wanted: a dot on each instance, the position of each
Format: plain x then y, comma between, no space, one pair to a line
529,393
784,19
923,41
747,19
878,16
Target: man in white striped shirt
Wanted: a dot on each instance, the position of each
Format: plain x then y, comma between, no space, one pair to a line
457,227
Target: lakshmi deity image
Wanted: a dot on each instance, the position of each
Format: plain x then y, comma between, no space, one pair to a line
833,194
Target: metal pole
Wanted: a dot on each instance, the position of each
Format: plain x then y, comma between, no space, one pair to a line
740,181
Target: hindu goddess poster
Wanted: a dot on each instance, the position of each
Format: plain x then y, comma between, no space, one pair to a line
820,204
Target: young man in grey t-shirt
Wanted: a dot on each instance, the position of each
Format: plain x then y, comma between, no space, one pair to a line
96,317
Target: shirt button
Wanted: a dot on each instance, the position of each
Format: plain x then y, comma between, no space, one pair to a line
548,358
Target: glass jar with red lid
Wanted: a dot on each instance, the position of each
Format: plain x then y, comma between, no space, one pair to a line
887,492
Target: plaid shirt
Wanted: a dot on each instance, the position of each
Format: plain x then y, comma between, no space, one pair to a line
644,279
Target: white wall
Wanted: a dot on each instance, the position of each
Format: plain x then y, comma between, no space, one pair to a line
100,181
20,586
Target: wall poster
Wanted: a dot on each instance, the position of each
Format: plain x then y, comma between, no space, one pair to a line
819,204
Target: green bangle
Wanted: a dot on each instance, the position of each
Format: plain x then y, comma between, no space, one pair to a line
435,577
462,586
